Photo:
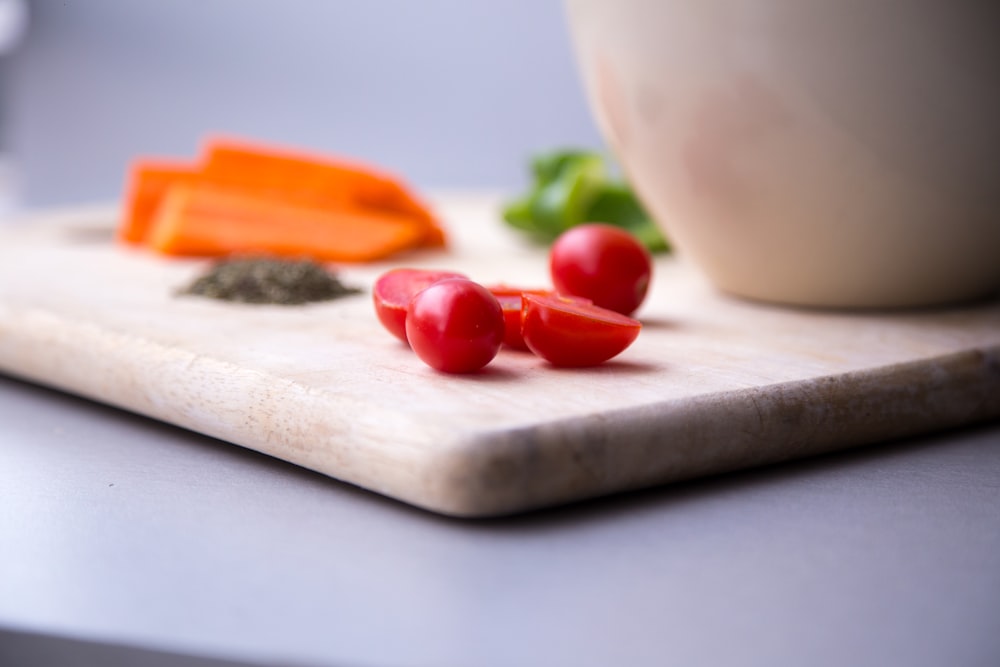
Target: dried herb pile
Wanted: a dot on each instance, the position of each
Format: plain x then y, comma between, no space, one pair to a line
270,281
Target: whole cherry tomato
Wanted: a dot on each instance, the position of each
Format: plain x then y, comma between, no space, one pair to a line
603,263
568,332
395,289
455,325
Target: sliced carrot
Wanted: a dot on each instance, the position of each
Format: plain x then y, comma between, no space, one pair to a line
246,197
302,177
149,180
434,237
212,221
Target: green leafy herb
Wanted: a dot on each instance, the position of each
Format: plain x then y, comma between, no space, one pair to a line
571,187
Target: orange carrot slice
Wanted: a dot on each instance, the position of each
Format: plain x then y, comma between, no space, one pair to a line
302,177
227,203
211,221
149,181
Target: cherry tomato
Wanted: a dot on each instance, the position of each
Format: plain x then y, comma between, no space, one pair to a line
455,325
566,332
395,289
510,301
602,263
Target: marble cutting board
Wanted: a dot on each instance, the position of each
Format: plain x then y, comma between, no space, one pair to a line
713,384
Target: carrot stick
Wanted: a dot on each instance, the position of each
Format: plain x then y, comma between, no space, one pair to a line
148,182
303,177
211,221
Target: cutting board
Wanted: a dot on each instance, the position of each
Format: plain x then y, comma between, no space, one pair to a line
712,384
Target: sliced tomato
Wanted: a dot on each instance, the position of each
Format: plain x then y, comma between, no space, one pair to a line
567,332
395,289
510,300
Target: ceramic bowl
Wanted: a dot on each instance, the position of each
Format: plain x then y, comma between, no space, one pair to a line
812,152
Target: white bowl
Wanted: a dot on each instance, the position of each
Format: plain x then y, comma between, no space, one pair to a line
812,152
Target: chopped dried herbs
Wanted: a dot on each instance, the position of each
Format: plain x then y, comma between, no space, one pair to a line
269,280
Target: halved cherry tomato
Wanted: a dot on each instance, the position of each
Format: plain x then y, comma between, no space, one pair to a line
510,301
455,325
603,263
566,332
395,289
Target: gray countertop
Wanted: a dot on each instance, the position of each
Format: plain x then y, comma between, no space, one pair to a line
122,530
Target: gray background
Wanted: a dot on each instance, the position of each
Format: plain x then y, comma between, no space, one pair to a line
448,93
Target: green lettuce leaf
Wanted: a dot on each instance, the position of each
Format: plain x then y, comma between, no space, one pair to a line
571,187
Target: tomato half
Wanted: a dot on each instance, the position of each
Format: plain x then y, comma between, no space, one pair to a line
455,325
566,332
395,289
510,301
603,263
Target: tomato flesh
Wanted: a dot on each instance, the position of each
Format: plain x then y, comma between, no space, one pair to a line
455,325
395,289
603,263
571,333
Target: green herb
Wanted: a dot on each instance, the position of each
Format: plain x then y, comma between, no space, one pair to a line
269,280
571,187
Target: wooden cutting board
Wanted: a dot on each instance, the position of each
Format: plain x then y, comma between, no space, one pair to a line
712,384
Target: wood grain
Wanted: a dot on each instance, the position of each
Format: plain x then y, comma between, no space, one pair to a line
712,384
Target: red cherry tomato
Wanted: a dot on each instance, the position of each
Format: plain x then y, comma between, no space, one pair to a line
566,332
455,326
395,289
602,263
510,301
